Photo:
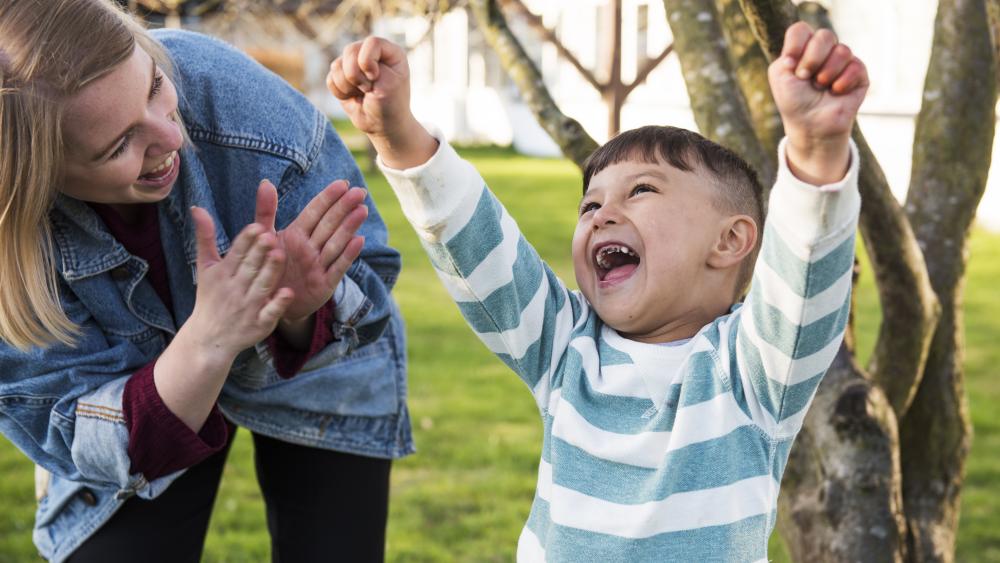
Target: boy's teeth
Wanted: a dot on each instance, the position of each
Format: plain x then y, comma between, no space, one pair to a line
606,251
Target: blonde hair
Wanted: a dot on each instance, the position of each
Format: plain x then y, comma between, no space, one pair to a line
47,54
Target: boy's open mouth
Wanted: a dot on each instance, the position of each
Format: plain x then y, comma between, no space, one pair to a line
615,261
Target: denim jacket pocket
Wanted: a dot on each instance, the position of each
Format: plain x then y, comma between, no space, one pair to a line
362,383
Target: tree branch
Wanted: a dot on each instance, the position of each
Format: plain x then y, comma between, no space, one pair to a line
993,13
573,140
768,20
716,99
647,68
536,23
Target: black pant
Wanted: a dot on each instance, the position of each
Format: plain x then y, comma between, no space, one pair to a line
321,506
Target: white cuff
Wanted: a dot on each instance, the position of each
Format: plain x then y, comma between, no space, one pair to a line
810,213
436,190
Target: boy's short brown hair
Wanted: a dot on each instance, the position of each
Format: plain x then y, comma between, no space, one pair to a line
738,187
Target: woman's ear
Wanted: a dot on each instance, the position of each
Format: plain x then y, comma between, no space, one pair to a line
737,239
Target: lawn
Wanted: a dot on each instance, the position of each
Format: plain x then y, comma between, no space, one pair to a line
465,494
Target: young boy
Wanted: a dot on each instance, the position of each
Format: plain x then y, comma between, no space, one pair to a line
668,411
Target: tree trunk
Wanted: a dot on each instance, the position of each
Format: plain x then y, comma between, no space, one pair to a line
951,160
716,100
750,68
840,497
573,140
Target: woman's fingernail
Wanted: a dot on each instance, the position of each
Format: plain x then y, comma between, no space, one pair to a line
803,73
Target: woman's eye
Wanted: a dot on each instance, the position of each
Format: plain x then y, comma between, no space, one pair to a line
157,85
122,147
589,206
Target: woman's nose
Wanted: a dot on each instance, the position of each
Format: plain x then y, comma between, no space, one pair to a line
164,135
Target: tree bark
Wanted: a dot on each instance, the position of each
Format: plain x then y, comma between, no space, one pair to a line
573,140
750,66
840,497
951,160
716,100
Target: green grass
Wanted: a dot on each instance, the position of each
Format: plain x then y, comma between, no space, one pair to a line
466,493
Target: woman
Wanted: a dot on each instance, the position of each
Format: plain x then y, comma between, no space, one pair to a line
150,298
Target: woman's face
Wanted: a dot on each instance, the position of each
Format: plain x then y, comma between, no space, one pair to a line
120,136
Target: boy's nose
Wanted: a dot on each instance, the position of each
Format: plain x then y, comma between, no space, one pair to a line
605,215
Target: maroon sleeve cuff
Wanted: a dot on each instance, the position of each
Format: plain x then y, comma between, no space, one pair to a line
288,360
159,442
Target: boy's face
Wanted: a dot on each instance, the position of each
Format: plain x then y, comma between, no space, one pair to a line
641,244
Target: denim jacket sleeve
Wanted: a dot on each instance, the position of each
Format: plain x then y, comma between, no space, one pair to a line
62,405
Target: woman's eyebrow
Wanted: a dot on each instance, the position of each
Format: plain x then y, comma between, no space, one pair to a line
110,146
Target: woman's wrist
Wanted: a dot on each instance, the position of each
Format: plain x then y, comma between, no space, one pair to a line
189,375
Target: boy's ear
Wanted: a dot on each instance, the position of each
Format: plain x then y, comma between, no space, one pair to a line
737,239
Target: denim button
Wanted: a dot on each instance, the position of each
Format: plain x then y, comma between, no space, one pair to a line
88,497
120,273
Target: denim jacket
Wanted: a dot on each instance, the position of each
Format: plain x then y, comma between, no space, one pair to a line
62,405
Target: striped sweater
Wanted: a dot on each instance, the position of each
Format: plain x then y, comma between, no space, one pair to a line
650,452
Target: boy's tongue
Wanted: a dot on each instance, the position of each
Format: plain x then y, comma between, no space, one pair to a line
620,272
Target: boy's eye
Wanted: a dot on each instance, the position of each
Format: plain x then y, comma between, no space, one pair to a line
642,188
588,206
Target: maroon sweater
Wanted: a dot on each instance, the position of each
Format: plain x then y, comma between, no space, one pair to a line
159,442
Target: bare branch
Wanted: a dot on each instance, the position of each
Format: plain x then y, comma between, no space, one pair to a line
993,13
572,139
536,23
910,309
716,99
647,68
769,19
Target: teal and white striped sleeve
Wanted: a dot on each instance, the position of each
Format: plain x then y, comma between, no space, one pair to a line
515,304
793,320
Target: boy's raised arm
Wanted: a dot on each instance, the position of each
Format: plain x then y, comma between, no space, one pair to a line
512,301
372,81
794,317
818,86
